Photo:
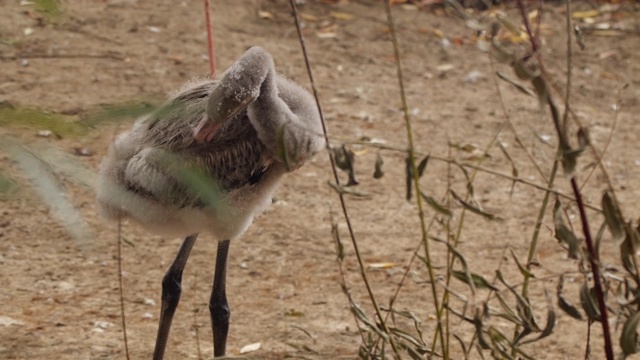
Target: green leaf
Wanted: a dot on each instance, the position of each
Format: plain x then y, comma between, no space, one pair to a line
524,271
569,308
565,304
514,169
339,245
518,87
474,209
477,280
628,249
477,322
345,160
423,165
629,337
50,189
409,178
588,303
436,206
563,233
540,85
120,112
378,173
509,314
347,190
39,119
6,184
613,217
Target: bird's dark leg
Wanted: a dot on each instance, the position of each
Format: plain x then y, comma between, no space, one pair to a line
171,288
218,305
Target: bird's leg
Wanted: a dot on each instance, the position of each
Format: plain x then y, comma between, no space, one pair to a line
218,305
171,288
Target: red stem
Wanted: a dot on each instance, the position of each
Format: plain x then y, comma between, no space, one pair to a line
595,269
212,59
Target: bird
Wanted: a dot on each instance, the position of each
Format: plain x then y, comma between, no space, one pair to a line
210,159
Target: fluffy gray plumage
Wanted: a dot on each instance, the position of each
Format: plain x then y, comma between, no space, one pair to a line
212,156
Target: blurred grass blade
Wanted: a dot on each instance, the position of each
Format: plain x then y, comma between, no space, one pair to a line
51,9
629,336
23,116
39,174
67,164
7,185
116,113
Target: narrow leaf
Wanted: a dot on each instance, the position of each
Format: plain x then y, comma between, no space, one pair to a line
477,280
613,217
518,87
423,165
50,190
569,308
347,190
377,172
477,322
524,271
563,233
474,209
436,206
629,337
565,304
589,304
514,169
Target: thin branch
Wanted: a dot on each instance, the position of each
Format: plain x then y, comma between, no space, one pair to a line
467,165
595,268
337,181
416,177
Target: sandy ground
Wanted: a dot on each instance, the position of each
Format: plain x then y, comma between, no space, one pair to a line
59,293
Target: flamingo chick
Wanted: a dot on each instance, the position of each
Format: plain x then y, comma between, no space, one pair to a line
210,159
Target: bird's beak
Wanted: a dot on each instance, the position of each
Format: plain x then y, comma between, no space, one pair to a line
206,129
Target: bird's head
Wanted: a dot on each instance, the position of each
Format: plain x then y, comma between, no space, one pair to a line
224,103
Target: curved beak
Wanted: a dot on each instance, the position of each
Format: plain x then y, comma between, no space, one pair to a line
206,129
